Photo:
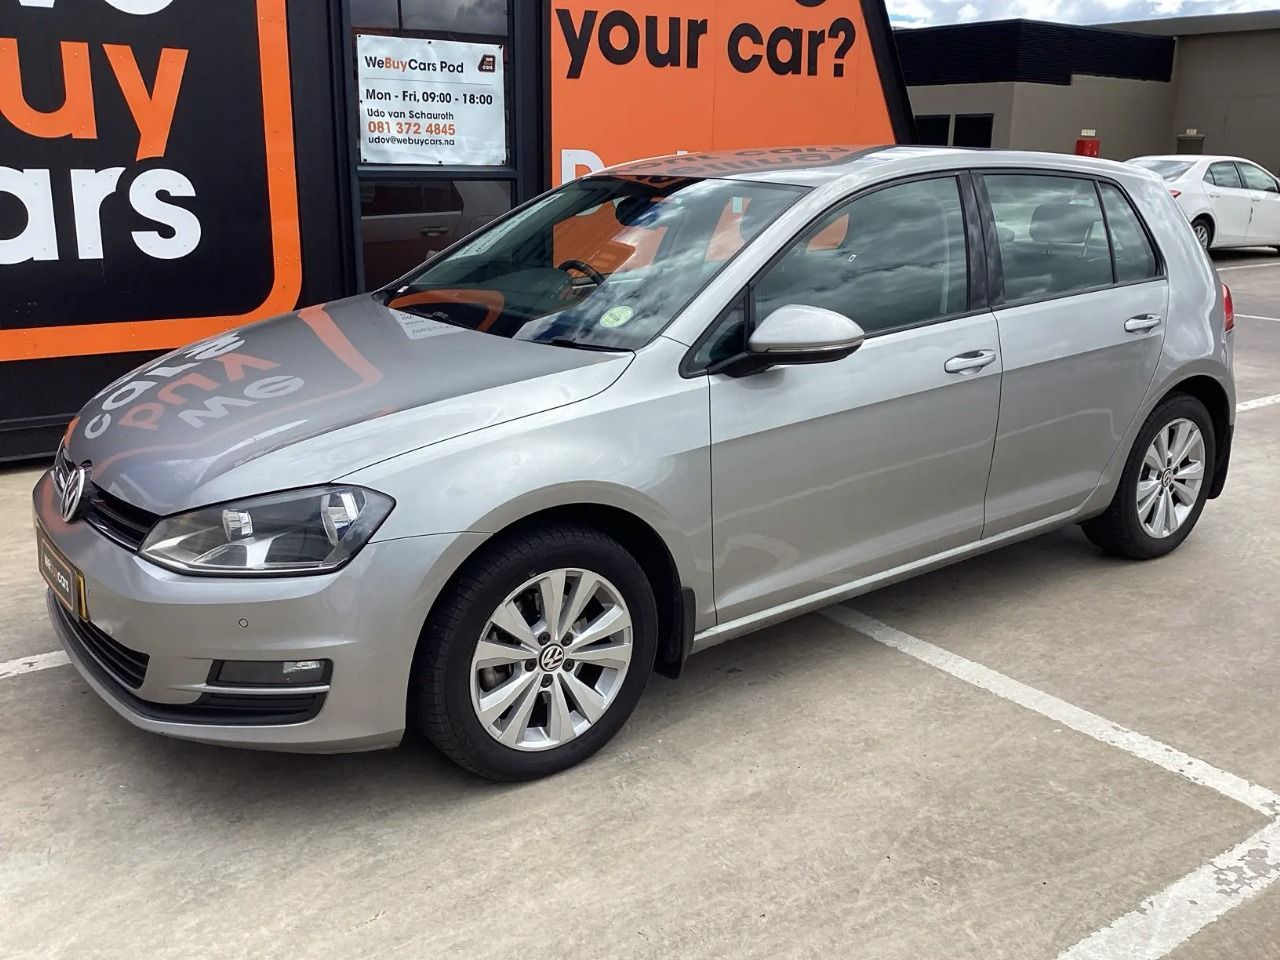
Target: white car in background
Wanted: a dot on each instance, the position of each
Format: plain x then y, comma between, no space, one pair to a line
1229,202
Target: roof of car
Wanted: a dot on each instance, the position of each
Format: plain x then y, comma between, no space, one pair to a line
813,166
1193,158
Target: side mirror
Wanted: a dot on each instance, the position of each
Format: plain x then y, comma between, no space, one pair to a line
800,334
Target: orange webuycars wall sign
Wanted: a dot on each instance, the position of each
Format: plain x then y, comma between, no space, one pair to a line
148,193
641,78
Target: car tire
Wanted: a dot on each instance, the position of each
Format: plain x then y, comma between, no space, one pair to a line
1203,229
507,579
1142,528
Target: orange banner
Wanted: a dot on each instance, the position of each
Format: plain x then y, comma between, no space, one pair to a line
641,78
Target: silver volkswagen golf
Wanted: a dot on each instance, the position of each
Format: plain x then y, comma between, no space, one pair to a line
649,411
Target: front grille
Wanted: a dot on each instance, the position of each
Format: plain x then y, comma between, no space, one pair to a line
110,663
122,522
125,666
112,517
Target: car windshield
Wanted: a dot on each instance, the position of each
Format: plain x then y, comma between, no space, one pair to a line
1169,169
604,262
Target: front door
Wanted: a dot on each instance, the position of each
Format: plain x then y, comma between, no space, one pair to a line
827,473
1264,228
1232,202
1080,335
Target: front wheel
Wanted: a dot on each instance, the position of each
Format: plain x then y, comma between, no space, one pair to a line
1164,485
536,655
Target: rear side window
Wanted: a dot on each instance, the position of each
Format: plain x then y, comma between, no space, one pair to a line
890,259
1050,234
1255,178
1224,175
1135,259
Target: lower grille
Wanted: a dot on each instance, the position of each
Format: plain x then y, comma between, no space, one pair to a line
111,663
126,666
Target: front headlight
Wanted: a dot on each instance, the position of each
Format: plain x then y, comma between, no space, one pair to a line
299,531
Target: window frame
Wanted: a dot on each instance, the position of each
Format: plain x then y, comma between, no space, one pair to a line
976,274
995,264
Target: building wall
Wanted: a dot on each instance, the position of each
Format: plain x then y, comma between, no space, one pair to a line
1227,87
1132,117
951,99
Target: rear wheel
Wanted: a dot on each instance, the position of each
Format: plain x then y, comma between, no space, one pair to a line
535,657
1164,486
1203,230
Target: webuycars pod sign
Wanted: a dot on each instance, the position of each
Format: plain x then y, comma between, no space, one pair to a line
147,181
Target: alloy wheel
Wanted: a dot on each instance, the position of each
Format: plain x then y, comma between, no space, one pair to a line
551,659
1170,479
1202,234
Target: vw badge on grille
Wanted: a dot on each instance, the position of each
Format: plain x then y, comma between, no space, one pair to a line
72,491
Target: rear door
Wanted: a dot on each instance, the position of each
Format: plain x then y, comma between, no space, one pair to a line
1232,202
1081,332
1264,228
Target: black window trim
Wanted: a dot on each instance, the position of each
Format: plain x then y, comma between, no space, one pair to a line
976,277
996,266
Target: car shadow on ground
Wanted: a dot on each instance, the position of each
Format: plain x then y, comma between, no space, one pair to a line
415,777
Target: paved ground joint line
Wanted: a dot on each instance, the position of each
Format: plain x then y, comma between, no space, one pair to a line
1163,921
39,661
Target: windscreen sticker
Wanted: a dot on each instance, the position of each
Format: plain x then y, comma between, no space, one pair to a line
617,317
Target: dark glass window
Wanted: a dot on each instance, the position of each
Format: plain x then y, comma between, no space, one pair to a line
973,130
404,222
1255,178
375,13
889,259
455,16
934,131
1224,175
1135,259
1050,233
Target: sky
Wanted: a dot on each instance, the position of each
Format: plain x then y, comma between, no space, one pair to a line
928,13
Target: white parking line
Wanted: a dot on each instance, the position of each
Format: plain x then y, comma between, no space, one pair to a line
1259,402
39,661
1162,922
1254,316
1251,266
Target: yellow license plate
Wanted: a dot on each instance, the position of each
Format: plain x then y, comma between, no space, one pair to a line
60,574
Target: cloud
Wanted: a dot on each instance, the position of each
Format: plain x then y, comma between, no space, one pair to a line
927,13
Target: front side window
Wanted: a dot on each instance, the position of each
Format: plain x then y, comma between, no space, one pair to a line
1135,258
1255,178
890,259
603,262
1050,234
1224,175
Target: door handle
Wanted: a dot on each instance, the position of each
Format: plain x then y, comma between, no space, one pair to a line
1143,321
434,231
970,362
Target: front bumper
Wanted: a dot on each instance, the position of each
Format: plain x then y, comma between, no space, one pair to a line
152,635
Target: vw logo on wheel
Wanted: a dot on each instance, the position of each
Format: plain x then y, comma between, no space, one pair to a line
72,491
552,657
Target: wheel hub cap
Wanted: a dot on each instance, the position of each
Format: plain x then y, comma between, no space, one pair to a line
552,657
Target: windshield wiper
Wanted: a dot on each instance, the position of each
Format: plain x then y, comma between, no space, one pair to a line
579,345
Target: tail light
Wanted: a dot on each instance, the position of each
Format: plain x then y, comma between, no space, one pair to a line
1176,193
1228,309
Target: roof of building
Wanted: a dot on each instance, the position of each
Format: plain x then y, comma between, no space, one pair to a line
1193,26
1029,51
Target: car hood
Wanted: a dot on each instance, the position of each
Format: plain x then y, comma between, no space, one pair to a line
309,396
